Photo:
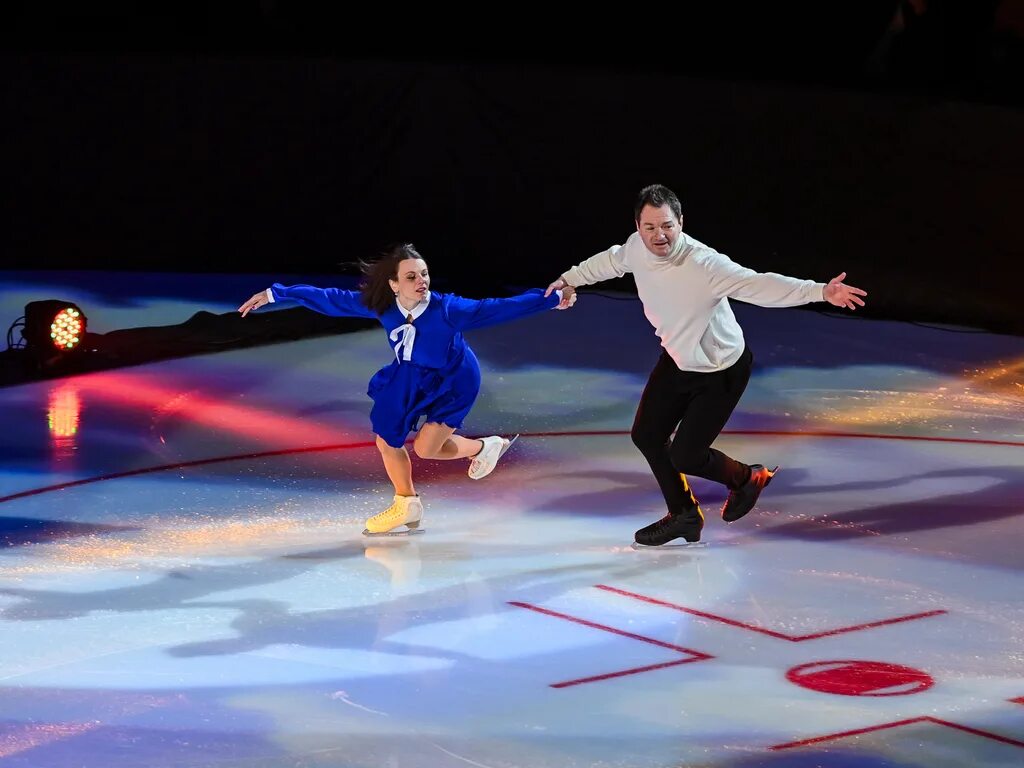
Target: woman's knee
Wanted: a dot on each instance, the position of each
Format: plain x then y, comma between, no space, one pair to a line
384,447
425,448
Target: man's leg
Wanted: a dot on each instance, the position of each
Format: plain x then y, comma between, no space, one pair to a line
691,450
660,409
714,397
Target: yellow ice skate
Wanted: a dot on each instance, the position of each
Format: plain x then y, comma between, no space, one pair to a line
404,511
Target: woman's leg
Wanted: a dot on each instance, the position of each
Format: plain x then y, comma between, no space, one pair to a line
407,507
439,441
398,466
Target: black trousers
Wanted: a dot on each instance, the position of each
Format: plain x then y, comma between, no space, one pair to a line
696,406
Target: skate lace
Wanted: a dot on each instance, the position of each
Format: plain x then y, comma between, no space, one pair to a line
663,524
669,521
391,513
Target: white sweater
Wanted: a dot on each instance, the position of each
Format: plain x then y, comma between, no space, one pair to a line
685,296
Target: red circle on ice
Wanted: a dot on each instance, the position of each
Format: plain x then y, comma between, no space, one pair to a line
860,678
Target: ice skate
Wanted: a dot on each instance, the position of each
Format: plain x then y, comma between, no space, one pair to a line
484,462
741,500
672,527
402,518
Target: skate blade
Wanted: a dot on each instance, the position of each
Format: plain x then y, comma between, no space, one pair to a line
505,449
393,532
671,545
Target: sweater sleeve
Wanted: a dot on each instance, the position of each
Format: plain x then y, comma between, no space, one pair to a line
765,289
335,302
602,266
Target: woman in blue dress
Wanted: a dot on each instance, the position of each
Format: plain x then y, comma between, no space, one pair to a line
435,375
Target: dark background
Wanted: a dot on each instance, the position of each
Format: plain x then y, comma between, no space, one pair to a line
508,142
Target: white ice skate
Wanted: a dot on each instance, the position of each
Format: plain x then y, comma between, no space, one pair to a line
484,462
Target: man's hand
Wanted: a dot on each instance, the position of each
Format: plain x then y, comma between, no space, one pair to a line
568,293
842,295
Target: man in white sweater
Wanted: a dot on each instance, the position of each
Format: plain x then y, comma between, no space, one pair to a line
704,367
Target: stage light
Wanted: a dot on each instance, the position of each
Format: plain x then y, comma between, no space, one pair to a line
67,329
53,327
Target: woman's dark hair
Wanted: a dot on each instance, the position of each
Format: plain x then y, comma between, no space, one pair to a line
377,293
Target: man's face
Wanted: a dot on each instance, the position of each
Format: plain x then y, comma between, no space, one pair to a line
659,228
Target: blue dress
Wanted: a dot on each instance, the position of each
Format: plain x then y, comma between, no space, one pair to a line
435,373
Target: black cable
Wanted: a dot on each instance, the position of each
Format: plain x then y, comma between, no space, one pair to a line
10,334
